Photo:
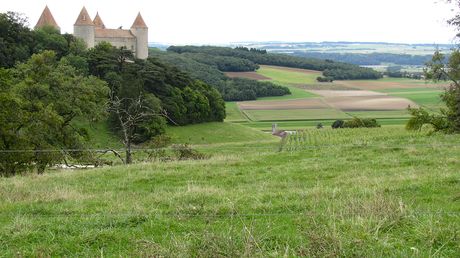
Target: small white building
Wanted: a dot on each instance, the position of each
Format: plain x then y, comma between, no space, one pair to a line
94,31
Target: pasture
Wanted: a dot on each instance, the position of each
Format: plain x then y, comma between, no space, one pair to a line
387,99
360,192
295,114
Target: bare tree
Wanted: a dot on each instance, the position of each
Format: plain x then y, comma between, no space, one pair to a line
131,113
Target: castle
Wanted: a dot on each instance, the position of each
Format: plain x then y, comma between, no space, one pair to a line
94,31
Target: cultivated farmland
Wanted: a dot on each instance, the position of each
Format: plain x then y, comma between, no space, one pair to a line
386,99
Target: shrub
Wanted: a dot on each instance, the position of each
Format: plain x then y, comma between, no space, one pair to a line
156,148
360,123
185,152
324,79
337,124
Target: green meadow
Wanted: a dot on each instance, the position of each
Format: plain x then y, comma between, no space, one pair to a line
351,192
295,114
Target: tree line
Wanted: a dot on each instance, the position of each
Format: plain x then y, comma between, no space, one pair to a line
203,67
368,59
337,70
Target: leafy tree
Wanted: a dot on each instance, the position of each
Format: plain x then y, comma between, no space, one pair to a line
16,39
40,100
449,118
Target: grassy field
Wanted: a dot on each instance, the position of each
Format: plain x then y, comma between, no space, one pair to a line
284,76
362,192
294,114
215,133
429,98
380,114
234,114
99,134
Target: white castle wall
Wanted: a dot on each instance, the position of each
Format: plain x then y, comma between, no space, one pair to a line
129,43
142,48
85,32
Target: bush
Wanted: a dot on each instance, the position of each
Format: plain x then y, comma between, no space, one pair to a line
361,123
324,79
337,124
185,152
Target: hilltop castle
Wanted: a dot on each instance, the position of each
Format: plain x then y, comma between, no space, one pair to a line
94,31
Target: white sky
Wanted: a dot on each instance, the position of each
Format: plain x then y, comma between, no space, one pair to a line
225,21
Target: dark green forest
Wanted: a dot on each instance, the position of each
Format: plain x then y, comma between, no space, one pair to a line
207,70
368,59
336,70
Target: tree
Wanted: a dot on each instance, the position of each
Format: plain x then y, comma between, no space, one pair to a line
448,120
16,39
40,101
134,114
442,68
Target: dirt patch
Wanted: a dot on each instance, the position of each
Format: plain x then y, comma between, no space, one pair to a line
247,75
298,70
346,93
323,86
380,85
369,103
314,103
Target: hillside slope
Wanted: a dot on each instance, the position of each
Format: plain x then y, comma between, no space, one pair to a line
387,193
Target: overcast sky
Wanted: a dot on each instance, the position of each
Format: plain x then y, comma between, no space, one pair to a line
225,21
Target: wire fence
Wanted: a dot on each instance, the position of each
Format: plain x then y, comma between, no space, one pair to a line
288,147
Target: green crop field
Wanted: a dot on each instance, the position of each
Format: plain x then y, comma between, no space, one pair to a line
410,90
284,76
233,113
295,114
380,114
422,98
348,192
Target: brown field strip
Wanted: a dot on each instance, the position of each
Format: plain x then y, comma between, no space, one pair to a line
298,70
369,103
379,85
313,103
247,75
346,93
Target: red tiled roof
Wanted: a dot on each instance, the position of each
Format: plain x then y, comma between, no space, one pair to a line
139,22
98,22
83,18
113,33
46,19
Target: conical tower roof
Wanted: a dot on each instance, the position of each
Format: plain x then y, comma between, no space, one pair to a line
83,18
139,22
46,19
98,21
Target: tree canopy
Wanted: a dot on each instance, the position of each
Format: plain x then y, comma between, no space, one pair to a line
39,101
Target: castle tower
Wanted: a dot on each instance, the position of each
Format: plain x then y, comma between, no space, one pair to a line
46,19
84,28
141,31
98,23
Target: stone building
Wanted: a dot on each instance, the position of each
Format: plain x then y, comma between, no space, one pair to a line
94,31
